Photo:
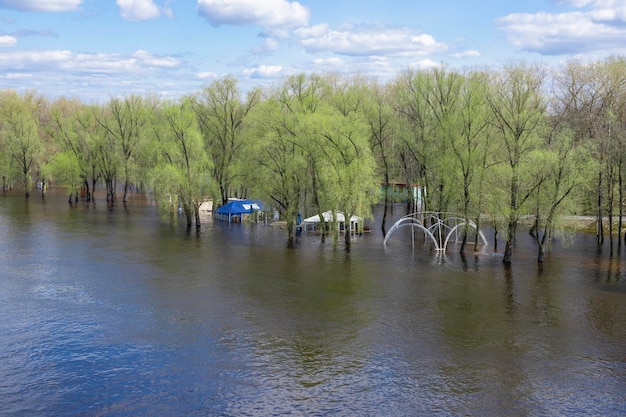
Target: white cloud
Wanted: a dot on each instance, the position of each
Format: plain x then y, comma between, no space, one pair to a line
469,53
206,74
425,64
361,40
135,10
17,76
151,60
41,5
599,25
268,45
254,12
333,61
263,71
34,61
6,41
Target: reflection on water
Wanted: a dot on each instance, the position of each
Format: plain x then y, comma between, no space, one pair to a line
109,312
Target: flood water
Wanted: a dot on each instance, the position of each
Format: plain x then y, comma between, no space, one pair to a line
110,312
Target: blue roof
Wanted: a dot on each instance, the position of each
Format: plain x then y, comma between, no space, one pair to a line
237,207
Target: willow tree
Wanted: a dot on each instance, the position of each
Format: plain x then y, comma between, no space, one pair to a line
19,129
585,94
64,168
72,147
222,111
279,165
125,122
288,158
562,167
6,159
181,166
353,181
519,111
422,153
613,74
102,147
441,92
470,147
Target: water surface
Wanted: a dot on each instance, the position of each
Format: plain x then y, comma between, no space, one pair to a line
110,312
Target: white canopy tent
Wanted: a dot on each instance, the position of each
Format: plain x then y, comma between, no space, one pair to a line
356,222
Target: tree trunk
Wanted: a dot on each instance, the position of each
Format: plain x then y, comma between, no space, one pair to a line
26,184
290,231
610,197
541,253
385,210
188,215
382,226
348,234
466,204
464,241
510,240
511,229
599,226
621,204
126,186
196,211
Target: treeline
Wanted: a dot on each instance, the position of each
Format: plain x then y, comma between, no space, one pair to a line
518,141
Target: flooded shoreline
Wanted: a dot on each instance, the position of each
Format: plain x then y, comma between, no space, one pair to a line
113,313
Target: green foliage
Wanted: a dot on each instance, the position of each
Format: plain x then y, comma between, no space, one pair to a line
179,174
223,117
19,129
64,168
497,143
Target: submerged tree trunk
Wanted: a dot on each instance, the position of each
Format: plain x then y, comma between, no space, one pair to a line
290,231
348,235
512,226
385,213
384,220
188,214
599,226
110,190
610,197
26,184
620,205
510,240
196,212
126,187
466,204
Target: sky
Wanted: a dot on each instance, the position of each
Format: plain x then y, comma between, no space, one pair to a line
95,50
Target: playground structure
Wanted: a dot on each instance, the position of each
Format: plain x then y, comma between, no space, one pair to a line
439,228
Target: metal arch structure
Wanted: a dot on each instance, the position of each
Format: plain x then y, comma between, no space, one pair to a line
438,227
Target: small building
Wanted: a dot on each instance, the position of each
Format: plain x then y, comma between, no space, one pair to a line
236,210
356,222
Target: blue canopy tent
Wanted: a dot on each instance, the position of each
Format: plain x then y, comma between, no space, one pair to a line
236,209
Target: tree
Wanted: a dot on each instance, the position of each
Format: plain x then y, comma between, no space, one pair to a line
222,115
279,161
518,108
20,132
125,122
562,167
65,131
65,168
470,146
102,146
588,97
380,119
180,173
422,150
353,184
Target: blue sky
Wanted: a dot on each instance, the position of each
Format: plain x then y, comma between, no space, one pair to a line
97,49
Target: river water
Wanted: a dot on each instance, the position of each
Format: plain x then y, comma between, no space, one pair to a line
110,312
